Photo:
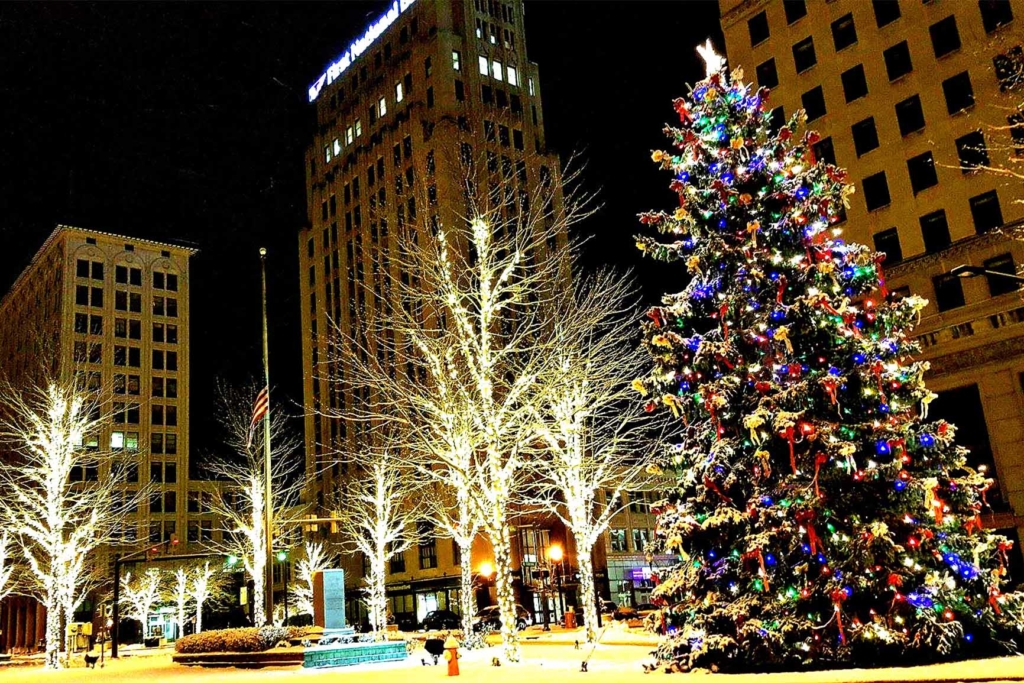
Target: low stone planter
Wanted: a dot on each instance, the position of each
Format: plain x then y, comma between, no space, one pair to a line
242,660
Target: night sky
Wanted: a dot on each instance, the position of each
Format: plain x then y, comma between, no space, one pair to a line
188,123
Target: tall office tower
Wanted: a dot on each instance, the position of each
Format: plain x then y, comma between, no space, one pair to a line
431,88
114,311
910,97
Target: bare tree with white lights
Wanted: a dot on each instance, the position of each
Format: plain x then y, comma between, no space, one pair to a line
316,557
449,356
240,500
589,437
139,595
205,585
63,496
378,511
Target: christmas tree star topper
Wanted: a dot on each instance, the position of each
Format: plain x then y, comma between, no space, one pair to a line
713,62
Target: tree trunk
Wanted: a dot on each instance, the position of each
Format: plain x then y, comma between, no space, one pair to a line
377,602
181,619
259,599
590,614
52,634
199,616
503,585
466,596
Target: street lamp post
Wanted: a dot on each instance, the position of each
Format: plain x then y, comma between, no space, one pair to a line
282,557
555,555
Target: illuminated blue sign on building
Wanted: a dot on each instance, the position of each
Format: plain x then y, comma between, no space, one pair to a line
358,47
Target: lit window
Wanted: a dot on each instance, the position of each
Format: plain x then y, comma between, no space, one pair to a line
327,153
496,69
359,127
382,106
348,135
513,77
337,146
117,440
484,66
399,94
456,60
529,82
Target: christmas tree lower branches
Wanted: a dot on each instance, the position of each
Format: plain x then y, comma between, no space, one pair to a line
820,519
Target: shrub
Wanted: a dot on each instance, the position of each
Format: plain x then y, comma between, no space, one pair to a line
237,639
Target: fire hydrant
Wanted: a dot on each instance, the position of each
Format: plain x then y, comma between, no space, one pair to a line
451,654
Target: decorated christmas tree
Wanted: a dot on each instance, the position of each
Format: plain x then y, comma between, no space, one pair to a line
820,519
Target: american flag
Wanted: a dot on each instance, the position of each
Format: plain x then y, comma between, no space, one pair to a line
259,409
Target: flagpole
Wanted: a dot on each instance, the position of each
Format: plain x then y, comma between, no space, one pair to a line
268,496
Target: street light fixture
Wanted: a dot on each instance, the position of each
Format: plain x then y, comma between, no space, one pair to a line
965,272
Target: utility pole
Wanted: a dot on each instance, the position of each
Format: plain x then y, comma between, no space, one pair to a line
269,500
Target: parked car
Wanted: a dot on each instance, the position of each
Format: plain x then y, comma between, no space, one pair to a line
608,607
488,619
441,619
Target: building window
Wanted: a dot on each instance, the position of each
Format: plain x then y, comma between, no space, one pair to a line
949,292
803,55
758,27
485,65
922,172
640,538
855,83
824,151
795,10
359,127
959,92
888,242
897,61
397,562
430,96
972,151
456,60
910,115
399,92
935,231
776,119
1009,68
986,212
995,13
1016,125
82,268
460,91
876,191
767,75
814,103
865,136
382,110
512,75
1001,285
156,443
617,538
886,11
496,69
945,36
844,32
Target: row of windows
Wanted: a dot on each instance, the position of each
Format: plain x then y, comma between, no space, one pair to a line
128,413
944,34
378,62
125,275
497,71
125,301
125,328
618,543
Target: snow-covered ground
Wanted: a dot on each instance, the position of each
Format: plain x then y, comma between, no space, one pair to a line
542,663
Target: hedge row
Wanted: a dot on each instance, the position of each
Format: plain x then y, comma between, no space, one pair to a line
238,639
